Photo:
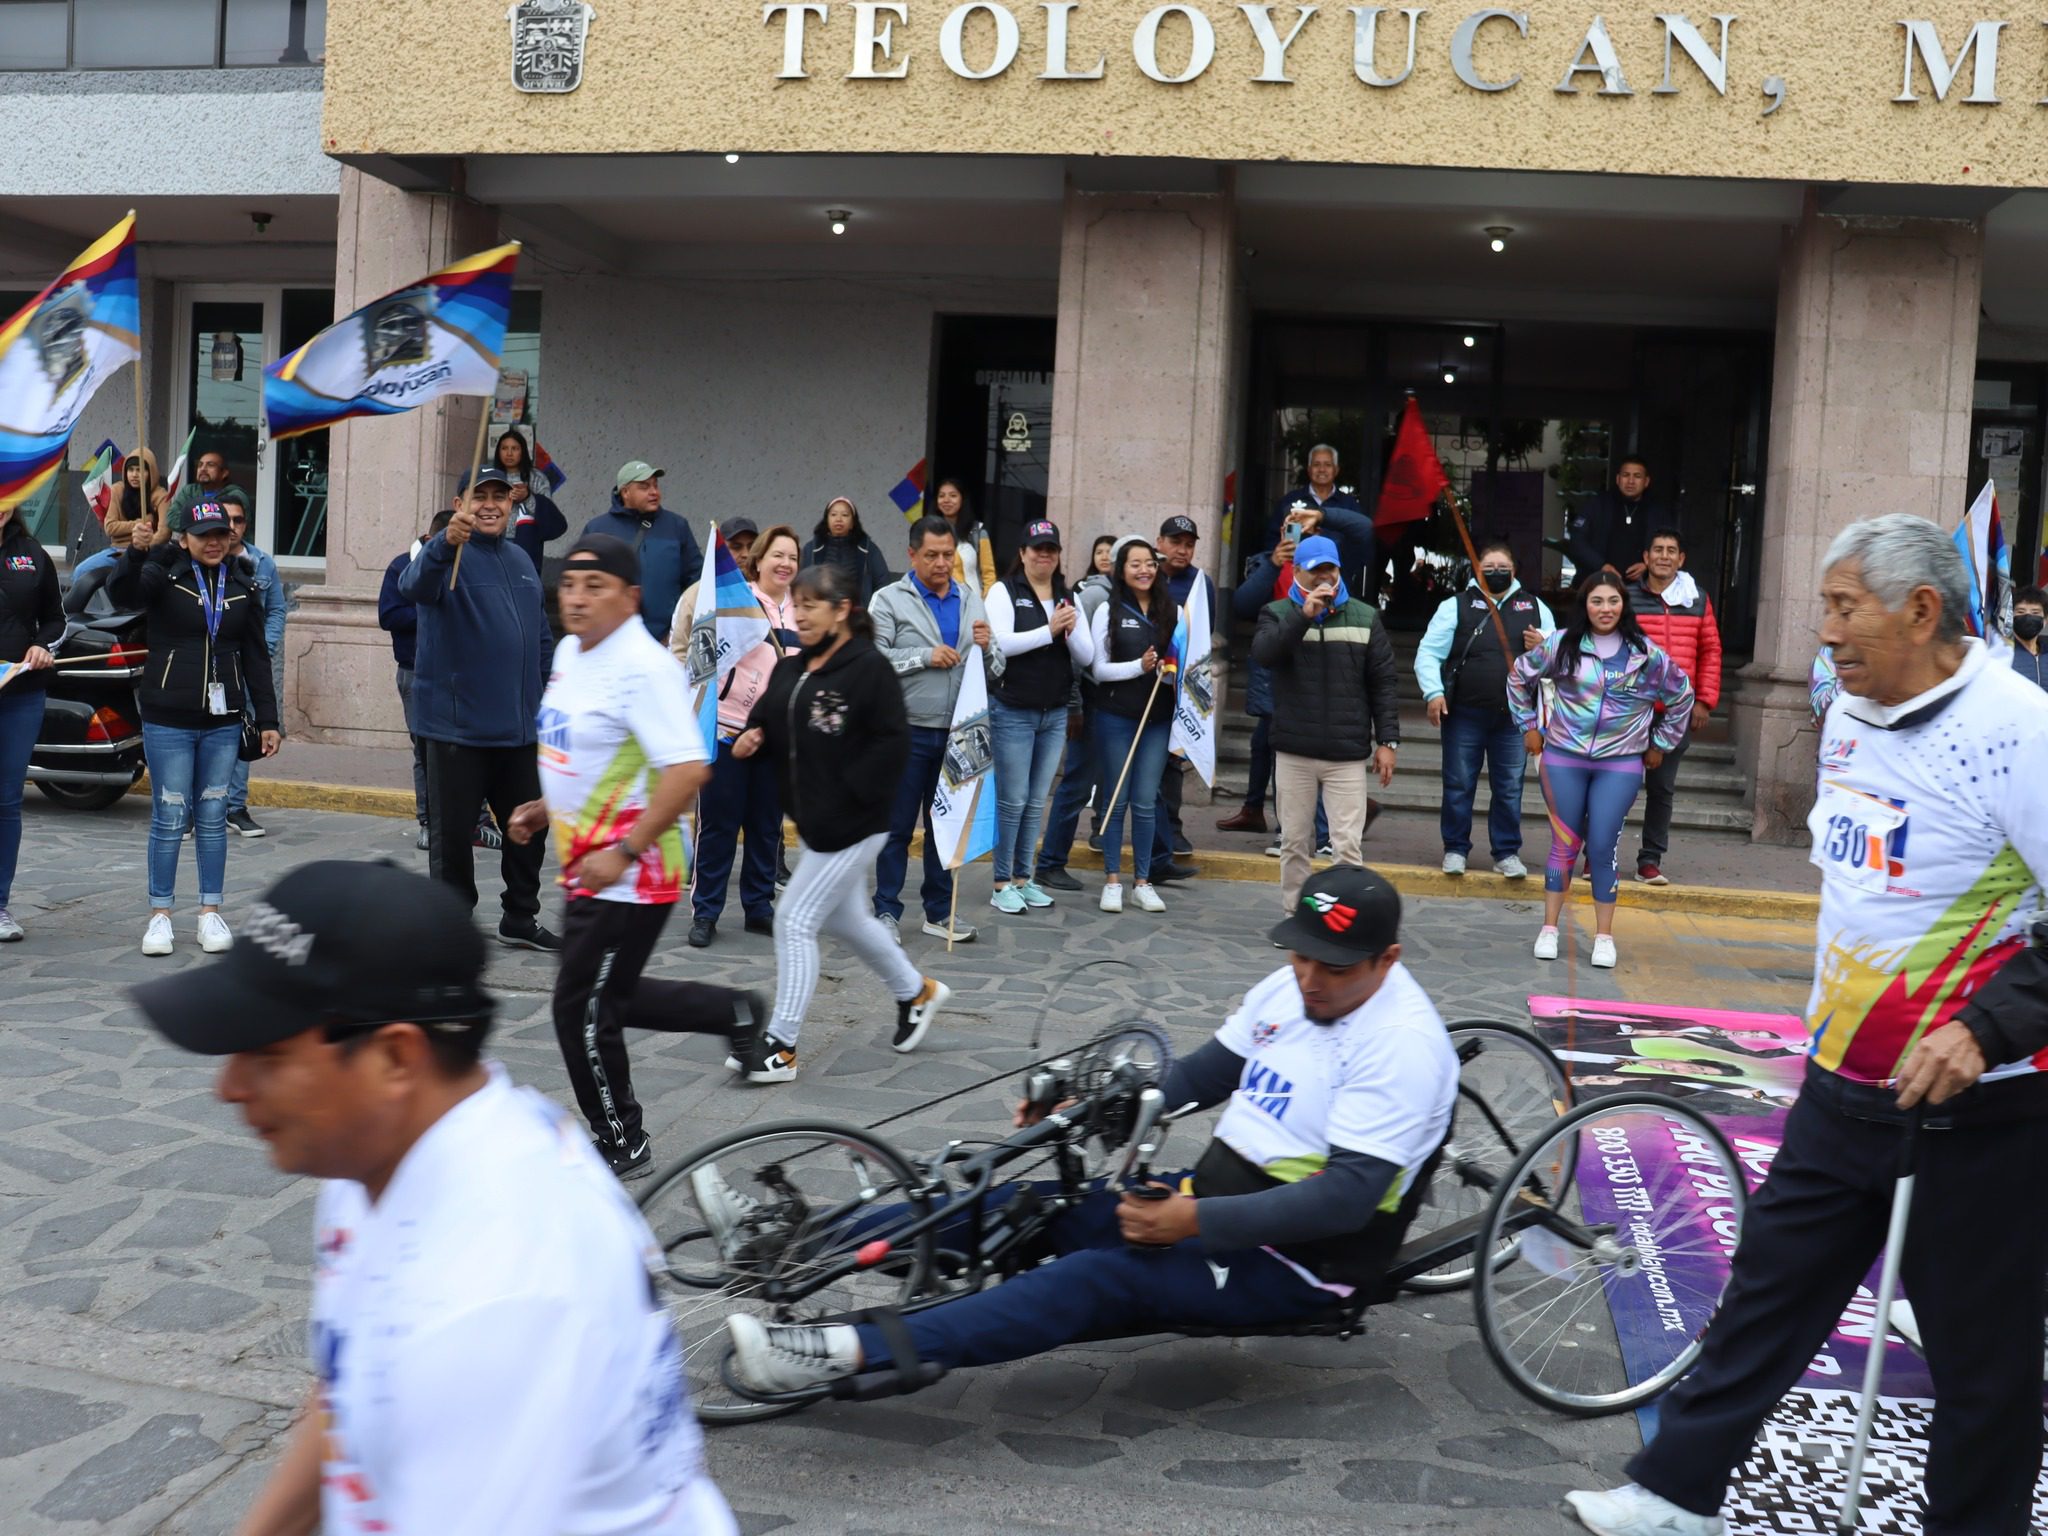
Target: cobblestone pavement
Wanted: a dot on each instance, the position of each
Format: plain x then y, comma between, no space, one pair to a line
153,1268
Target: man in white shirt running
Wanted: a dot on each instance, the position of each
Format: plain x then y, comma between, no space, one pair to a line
491,1356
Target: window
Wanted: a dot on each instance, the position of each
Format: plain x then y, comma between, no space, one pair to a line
160,34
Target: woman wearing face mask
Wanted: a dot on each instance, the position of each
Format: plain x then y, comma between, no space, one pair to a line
1597,733
1130,635
1038,629
205,622
840,540
535,518
974,558
2028,659
832,723
742,795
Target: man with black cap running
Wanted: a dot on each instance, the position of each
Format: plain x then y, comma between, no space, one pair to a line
620,761
1339,1079
492,1359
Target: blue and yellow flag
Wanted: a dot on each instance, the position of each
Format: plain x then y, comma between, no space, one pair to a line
727,622
909,493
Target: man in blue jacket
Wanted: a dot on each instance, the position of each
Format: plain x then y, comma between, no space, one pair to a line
1343,518
481,656
270,588
669,557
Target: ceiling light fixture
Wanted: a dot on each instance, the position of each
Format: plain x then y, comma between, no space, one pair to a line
838,216
1497,237
732,157
1471,341
1450,377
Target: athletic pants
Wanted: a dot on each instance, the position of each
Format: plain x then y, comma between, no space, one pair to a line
600,994
1589,799
1660,790
1975,1249
827,893
460,782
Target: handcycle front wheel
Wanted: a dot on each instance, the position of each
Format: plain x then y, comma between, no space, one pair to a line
1511,1089
1616,1229
758,1220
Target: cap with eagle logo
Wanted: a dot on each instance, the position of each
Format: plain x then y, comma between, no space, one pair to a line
1346,914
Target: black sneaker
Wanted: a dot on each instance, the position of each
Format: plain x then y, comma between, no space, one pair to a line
749,1036
487,836
627,1162
762,925
1181,846
1054,877
245,824
1162,873
914,1017
533,936
702,933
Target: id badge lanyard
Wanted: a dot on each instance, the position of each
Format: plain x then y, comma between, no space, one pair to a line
212,600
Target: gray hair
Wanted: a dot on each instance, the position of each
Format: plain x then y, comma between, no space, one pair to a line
1325,448
1899,553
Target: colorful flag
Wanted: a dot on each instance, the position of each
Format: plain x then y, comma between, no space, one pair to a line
175,481
964,805
441,336
57,351
99,479
1415,478
1981,542
543,462
909,493
1194,705
726,623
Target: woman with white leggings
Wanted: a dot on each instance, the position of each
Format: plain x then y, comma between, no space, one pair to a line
832,717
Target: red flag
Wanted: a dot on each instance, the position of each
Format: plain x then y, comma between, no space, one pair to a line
1414,477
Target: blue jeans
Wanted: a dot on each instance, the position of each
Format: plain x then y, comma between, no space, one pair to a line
1113,737
1470,734
419,753
914,804
1027,745
1589,799
742,797
1100,1285
189,771
1077,783
21,717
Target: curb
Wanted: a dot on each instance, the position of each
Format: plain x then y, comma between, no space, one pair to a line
1411,880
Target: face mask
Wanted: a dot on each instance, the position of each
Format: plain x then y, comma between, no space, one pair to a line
2027,626
1497,582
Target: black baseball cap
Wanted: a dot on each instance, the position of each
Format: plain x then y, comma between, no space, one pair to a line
739,528
334,943
1040,534
612,555
490,474
1179,526
1345,914
207,517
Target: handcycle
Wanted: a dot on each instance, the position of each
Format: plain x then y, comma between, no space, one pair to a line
1543,1208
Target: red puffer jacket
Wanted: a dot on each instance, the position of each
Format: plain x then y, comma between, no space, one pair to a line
1687,631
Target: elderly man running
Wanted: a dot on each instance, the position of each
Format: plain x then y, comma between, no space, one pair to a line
1931,832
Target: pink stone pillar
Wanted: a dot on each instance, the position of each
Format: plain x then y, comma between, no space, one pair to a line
385,475
1870,413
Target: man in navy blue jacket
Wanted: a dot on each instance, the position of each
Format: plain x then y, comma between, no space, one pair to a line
482,652
669,557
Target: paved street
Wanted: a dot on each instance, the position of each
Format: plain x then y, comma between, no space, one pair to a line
154,1269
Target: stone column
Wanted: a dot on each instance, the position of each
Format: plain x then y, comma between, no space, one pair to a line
385,475
1870,413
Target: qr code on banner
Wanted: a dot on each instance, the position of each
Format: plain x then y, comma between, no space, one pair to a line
1793,1480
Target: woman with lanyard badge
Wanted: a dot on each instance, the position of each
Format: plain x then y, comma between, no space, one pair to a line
742,795
205,647
1131,634
1603,730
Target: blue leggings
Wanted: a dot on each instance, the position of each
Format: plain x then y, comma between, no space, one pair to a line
1588,799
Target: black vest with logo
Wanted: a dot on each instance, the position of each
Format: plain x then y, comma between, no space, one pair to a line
1131,635
1040,679
1475,672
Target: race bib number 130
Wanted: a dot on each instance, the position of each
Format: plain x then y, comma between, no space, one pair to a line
1851,833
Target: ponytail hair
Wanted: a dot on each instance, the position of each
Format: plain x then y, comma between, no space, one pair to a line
835,584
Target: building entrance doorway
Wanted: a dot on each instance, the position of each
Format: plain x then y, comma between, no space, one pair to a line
992,421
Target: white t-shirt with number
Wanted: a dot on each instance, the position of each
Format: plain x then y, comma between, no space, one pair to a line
612,718
1380,1081
492,1358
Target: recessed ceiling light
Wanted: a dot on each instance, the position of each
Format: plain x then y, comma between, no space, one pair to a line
732,157
1450,377
838,216
1497,236
1471,341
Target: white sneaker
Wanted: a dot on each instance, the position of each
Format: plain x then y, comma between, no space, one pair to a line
1274,849
1112,897
157,938
10,930
1546,943
214,937
724,1208
1906,1324
1511,868
777,1357
959,933
1633,1511
1603,951
1147,898
889,923
1454,863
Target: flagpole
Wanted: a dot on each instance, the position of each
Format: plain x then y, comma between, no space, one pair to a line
139,440
483,425
953,913
1144,719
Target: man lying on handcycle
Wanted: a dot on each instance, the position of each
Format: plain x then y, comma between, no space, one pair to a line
1340,1080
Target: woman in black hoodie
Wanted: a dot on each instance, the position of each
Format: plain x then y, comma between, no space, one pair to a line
832,716
840,540
205,623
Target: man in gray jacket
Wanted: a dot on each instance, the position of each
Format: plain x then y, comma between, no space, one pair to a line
923,624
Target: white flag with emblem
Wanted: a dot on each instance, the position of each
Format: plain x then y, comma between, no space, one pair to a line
1194,697
964,805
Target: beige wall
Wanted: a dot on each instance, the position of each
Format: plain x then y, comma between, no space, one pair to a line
433,77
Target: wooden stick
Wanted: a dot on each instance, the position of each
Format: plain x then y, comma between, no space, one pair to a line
483,425
1144,718
954,913
146,487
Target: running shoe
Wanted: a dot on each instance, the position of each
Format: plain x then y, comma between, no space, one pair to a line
214,937
1546,943
1008,900
1633,1511
1454,863
724,1208
783,1357
957,933
1603,951
10,930
487,836
533,936
1511,868
889,923
627,1162
157,938
1650,874
914,1017
1273,849
1033,896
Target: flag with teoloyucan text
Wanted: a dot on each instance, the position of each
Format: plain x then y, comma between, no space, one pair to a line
964,805
56,351
440,336
726,623
1194,704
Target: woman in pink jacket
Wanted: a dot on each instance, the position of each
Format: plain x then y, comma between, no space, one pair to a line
742,797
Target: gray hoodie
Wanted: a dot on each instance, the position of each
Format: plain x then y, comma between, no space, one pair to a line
906,633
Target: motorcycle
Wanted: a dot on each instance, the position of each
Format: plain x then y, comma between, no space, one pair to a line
88,753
